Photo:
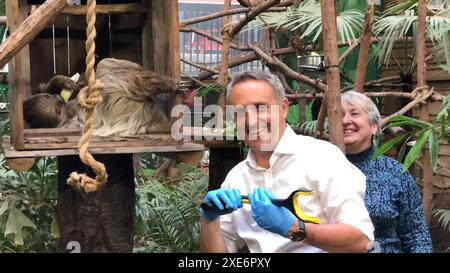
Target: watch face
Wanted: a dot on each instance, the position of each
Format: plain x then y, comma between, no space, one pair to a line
299,235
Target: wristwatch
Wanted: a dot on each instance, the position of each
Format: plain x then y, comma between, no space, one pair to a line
300,234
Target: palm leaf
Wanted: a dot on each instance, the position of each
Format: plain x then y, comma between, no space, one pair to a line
417,148
444,217
307,20
388,145
400,18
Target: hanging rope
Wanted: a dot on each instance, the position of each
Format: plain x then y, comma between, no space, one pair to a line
88,97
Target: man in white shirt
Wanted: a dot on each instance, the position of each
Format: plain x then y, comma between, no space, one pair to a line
278,163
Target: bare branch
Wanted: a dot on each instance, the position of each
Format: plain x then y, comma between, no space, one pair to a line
194,79
348,51
232,63
420,99
202,67
236,27
245,59
364,48
224,13
382,80
212,37
286,70
368,94
321,119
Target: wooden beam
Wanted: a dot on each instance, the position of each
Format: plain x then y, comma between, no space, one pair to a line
11,152
19,72
172,28
106,9
147,37
333,92
29,29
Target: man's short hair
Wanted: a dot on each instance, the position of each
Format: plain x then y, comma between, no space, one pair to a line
271,79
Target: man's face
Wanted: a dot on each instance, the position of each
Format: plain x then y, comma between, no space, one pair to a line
264,119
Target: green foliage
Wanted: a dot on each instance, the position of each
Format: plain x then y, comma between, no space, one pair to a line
400,20
422,132
444,217
167,214
3,94
203,91
307,20
27,200
292,116
2,7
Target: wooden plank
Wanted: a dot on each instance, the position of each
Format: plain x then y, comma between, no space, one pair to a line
43,143
29,28
171,23
10,152
164,32
147,34
106,9
19,73
159,38
51,132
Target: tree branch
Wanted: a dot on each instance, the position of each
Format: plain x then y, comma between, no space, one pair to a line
232,63
236,27
224,13
202,67
382,80
348,51
364,48
274,61
420,99
212,37
368,94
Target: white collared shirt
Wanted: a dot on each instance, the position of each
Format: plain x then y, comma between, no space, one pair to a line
298,162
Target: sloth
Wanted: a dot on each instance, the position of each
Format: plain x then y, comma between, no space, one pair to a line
132,102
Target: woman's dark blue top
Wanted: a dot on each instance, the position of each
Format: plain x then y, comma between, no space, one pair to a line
394,204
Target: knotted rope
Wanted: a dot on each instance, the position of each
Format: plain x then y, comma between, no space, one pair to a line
88,98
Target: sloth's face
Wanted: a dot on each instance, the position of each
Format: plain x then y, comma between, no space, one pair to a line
44,110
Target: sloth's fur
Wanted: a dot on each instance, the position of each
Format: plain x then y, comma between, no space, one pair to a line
129,107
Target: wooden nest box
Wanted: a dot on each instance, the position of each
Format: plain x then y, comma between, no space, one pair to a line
52,41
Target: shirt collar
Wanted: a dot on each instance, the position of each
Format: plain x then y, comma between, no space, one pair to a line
284,146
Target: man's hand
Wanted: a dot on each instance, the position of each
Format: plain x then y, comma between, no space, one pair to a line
227,200
269,216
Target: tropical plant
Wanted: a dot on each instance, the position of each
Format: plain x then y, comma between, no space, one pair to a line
167,214
423,132
443,216
307,21
27,200
399,22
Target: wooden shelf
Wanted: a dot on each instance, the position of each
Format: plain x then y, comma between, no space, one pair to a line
57,142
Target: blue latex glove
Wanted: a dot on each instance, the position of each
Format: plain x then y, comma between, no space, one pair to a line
231,198
270,217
